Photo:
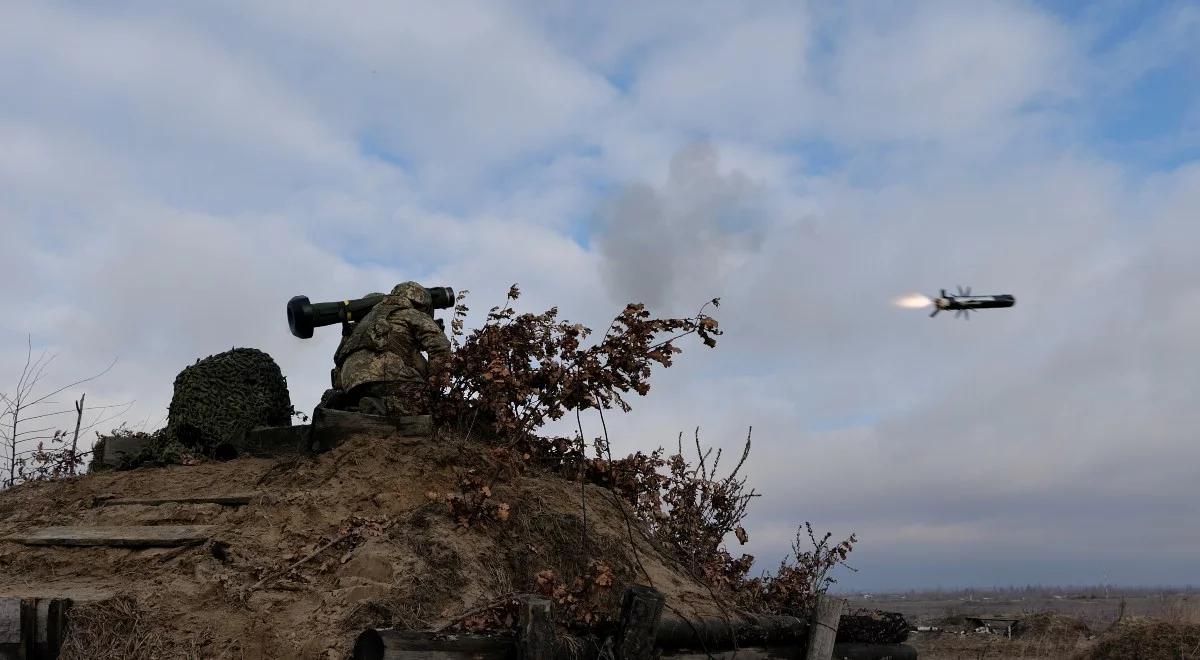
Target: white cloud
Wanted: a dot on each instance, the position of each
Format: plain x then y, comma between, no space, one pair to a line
745,77
452,90
945,71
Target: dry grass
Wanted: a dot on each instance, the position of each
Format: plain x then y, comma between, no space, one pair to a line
993,647
1147,639
117,628
1041,636
1051,636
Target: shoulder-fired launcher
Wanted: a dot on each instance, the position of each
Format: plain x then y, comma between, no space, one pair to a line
304,316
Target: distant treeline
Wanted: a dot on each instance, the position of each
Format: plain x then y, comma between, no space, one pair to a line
1029,591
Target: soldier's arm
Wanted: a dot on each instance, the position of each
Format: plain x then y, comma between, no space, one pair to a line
429,337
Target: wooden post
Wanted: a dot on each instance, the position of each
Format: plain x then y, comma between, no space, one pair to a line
32,627
29,627
535,634
641,609
78,420
56,625
11,639
823,631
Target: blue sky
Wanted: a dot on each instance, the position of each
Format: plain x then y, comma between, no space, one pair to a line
171,175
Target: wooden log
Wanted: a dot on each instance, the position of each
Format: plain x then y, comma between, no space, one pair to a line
874,652
390,644
741,631
224,500
331,428
641,610
746,653
132,536
872,627
824,627
535,629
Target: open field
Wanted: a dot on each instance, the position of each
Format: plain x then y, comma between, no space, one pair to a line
1080,617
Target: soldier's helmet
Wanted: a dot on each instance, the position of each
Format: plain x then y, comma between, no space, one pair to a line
416,294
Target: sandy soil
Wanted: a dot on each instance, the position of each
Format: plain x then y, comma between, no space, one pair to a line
410,565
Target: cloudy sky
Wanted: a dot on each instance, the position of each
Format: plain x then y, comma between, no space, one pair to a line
171,175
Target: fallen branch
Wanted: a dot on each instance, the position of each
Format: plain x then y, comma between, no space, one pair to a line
309,557
353,531
478,610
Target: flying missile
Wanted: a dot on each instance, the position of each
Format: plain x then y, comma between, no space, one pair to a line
964,303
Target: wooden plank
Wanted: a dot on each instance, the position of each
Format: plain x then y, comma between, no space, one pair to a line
116,450
133,536
641,610
824,629
874,652
390,644
272,441
331,428
224,500
535,629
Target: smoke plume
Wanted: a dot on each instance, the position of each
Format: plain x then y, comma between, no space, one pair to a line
680,238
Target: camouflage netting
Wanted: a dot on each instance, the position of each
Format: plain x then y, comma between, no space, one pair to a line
223,395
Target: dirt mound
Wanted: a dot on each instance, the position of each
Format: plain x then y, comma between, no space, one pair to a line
1147,639
1051,626
370,543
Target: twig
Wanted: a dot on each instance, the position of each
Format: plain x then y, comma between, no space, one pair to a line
482,608
74,410
312,555
583,479
70,385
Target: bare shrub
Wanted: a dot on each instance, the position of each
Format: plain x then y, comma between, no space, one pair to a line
801,577
46,451
55,458
518,371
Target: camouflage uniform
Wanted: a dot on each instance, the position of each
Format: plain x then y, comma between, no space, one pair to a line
379,367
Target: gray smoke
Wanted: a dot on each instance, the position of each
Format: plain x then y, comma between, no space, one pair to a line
680,238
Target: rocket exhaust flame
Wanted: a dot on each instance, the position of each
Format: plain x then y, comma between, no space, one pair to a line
912,301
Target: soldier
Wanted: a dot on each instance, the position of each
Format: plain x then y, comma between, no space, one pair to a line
379,366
